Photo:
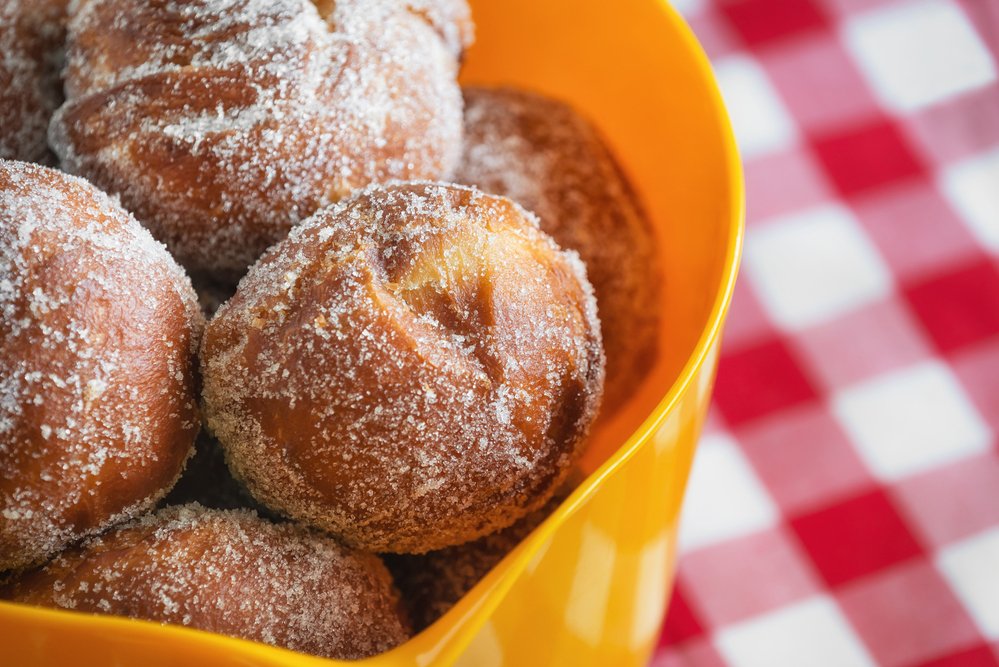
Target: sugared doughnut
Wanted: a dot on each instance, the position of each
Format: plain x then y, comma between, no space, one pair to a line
546,157
98,335
411,369
221,123
31,36
229,572
433,582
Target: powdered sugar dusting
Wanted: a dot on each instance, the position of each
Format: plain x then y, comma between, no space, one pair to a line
233,573
98,327
548,158
225,122
413,368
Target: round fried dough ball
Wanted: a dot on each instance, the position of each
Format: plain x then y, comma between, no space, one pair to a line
99,330
229,572
412,369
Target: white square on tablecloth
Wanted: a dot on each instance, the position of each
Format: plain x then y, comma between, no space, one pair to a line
725,499
973,189
918,53
812,266
911,420
759,119
813,632
972,568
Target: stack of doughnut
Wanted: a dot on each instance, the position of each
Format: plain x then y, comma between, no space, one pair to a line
278,299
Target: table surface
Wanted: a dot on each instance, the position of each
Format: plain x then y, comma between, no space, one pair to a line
844,504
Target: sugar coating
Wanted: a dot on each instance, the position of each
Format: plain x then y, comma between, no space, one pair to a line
98,330
413,368
229,572
545,156
222,123
31,35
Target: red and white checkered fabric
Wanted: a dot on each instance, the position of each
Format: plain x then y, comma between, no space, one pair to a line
844,504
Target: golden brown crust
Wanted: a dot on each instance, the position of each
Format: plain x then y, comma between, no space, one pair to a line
232,573
31,37
412,369
98,332
221,123
546,157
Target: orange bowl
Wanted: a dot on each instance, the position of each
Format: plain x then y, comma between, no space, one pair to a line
589,586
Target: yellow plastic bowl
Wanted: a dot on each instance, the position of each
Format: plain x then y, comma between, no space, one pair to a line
589,586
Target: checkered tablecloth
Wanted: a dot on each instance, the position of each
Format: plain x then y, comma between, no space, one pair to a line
844,504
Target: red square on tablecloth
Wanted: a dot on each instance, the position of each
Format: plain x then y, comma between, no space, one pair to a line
960,307
819,83
863,157
879,337
747,576
804,458
757,380
946,504
762,21
916,230
681,623
855,537
975,656
904,634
